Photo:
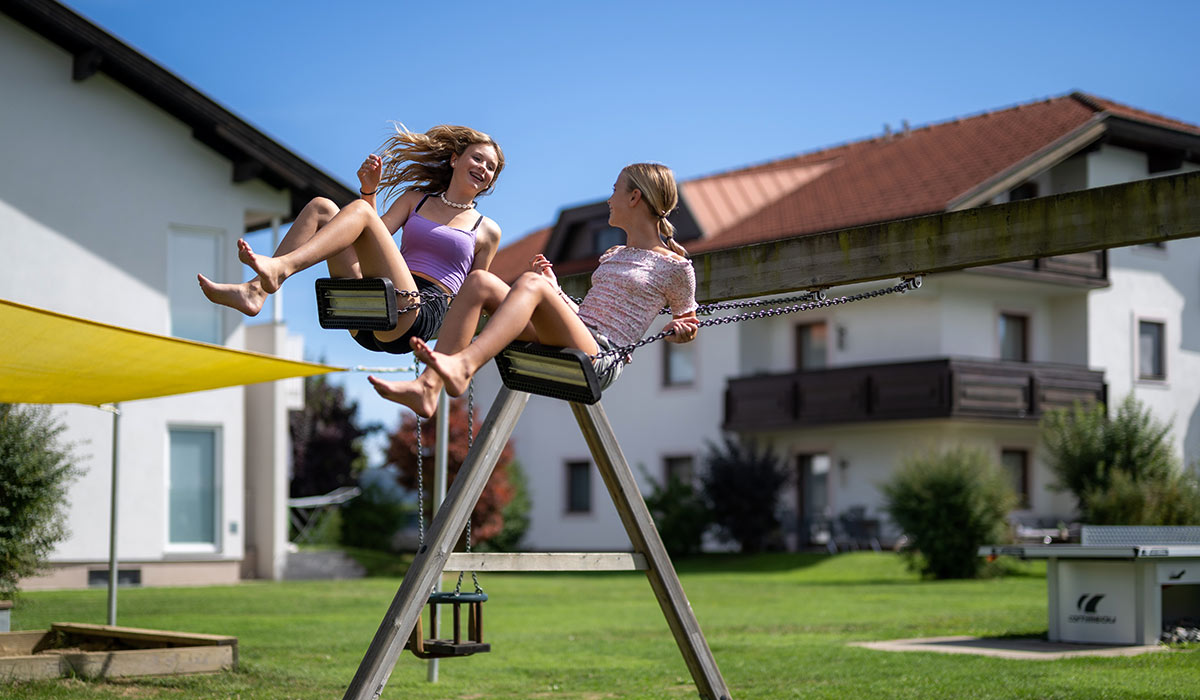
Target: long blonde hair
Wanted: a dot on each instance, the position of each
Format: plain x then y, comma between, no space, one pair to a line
422,161
656,182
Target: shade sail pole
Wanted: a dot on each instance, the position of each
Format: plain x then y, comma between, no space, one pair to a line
112,520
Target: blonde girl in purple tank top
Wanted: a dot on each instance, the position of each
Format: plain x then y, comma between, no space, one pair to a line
629,287
446,168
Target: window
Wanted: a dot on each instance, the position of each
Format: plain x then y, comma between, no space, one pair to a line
681,469
1152,361
191,250
812,346
1016,466
579,487
679,364
193,489
1014,337
606,238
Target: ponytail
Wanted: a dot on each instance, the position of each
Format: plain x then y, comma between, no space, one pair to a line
656,182
667,231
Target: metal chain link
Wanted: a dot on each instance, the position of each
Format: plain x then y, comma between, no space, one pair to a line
706,309
905,285
470,444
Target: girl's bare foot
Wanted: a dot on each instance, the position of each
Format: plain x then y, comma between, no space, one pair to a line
271,272
455,374
411,394
247,297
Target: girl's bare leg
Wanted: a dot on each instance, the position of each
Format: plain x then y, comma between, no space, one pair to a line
481,292
532,300
249,297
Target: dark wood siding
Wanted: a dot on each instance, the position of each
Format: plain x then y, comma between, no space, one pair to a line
942,388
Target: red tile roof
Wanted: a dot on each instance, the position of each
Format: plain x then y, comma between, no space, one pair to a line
909,173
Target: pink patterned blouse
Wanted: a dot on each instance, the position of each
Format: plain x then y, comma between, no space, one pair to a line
631,286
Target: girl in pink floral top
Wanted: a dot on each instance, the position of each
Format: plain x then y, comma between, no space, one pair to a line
629,287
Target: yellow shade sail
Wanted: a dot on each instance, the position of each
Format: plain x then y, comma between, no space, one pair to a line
48,357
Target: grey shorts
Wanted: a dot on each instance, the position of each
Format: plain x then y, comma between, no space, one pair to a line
608,367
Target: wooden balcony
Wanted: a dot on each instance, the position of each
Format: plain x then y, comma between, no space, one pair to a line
941,388
1088,269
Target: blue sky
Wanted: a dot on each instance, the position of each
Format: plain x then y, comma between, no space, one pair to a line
573,91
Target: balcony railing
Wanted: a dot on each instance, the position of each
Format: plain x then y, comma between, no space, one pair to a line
1088,269
941,388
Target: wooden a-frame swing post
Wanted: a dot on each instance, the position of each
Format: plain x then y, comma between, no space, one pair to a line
1146,211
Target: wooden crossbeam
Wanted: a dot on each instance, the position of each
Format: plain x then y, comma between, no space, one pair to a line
546,561
1145,211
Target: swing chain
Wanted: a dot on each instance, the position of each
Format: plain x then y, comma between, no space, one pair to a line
821,302
470,444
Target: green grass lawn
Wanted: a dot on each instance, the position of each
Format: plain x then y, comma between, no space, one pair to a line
778,626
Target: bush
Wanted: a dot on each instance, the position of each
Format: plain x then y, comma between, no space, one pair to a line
35,471
1171,500
949,505
742,487
1121,470
371,520
680,514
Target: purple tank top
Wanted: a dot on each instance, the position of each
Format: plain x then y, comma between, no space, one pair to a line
442,252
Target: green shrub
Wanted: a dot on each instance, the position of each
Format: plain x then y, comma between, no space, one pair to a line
1121,470
35,471
1170,500
742,485
680,515
949,505
371,520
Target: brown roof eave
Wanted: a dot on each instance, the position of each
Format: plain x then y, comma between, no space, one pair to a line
253,154
1047,157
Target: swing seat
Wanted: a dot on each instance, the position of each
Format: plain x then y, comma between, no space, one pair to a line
455,646
545,370
367,304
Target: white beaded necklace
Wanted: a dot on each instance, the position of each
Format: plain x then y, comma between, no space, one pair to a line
456,205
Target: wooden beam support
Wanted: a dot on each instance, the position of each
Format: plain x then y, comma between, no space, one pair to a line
639,525
1145,211
543,561
443,533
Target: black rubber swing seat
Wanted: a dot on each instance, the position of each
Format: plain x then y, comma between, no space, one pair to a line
546,370
367,304
457,645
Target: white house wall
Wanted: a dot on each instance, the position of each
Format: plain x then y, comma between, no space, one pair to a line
93,181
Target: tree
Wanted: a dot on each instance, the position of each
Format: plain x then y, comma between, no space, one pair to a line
949,505
515,514
742,486
35,471
327,449
487,520
1121,470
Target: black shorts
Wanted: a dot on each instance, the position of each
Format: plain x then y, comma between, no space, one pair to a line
429,320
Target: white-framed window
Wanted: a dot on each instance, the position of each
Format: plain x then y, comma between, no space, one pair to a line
679,364
192,250
194,489
812,345
1151,350
579,486
1012,334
